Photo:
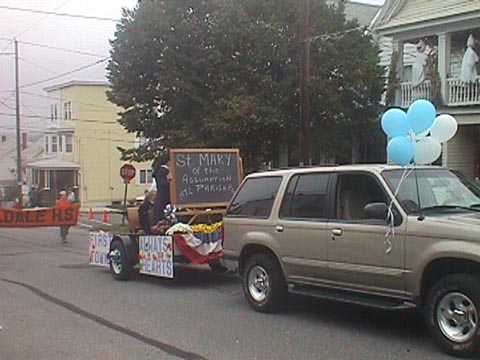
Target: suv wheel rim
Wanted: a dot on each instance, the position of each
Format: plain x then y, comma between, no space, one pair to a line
115,257
457,317
258,283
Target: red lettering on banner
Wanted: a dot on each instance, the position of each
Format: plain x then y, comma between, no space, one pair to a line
39,217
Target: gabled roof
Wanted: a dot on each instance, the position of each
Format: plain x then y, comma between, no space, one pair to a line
364,13
399,13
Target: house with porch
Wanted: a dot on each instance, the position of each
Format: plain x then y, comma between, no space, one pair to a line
439,30
80,147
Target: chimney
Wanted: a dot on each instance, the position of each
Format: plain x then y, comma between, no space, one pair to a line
24,141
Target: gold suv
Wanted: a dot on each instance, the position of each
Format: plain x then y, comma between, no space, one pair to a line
378,235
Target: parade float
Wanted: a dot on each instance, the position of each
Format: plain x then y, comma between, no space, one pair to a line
203,182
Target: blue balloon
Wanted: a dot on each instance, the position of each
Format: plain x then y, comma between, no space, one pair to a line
421,115
400,150
395,123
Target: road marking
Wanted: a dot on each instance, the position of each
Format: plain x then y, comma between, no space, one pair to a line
84,225
169,349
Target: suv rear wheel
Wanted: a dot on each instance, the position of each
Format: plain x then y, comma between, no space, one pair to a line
452,314
264,285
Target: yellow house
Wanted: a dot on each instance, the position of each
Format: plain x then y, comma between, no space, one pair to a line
81,147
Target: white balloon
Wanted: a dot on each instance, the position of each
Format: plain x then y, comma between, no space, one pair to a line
444,127
426,150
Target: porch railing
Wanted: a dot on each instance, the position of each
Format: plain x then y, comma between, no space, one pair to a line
409,93
462,94
458,93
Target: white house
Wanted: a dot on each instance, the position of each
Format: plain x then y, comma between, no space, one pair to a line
444,26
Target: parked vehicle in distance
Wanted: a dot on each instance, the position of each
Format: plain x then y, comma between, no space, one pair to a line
378,235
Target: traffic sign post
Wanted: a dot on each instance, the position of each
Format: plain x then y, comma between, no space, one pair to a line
127,173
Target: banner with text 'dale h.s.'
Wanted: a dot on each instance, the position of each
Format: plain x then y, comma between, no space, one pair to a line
204,177
39,217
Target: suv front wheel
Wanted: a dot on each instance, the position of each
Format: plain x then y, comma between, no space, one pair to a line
452,311
264,285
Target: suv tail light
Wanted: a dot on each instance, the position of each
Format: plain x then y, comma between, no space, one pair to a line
223,234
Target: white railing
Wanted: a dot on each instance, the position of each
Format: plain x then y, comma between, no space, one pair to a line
461,94
458,93
409,93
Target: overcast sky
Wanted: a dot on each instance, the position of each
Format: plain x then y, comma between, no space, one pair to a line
38,63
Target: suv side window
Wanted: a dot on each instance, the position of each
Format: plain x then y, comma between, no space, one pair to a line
354,191
305,197
255,198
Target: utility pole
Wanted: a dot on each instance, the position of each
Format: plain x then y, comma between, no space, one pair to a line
304,140
19,143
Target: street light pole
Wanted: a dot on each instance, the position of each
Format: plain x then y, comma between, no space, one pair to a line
304,139
19,144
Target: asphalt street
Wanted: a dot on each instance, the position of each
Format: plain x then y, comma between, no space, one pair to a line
53,305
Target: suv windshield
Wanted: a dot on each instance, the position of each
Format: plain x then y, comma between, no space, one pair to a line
438,190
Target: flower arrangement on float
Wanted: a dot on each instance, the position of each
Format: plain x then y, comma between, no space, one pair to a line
200,243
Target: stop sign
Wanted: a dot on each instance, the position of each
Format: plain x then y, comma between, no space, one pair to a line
127,172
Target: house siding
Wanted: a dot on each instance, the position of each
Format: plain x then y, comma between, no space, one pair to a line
96,136
461,150
426,10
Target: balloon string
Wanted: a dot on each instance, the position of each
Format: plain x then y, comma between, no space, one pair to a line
390,228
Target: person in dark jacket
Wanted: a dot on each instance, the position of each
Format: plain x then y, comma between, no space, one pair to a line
162,176
34,196
144,213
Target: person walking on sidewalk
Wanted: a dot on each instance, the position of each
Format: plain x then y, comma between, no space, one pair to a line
63,202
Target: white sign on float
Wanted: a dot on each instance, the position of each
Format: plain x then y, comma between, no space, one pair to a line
99,248
155,255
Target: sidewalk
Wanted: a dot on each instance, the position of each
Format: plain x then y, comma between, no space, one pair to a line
100,210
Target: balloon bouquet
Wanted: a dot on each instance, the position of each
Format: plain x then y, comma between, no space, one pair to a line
417,135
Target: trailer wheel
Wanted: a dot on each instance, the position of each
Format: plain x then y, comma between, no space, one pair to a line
120,266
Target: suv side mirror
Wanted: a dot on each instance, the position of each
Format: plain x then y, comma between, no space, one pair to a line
377,210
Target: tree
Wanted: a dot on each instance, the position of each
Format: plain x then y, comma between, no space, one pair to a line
225,73
160,69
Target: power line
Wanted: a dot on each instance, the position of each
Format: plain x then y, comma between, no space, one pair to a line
78,16
336,35
41,19
38,66
28,108
61,49
61,75
65,74
73,101
24,104
110,139
6,47
6,105
100,121
53,47
33,130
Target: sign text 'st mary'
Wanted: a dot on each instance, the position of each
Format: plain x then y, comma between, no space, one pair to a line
204,176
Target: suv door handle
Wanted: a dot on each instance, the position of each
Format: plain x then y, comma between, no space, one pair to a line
337,232
279,228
